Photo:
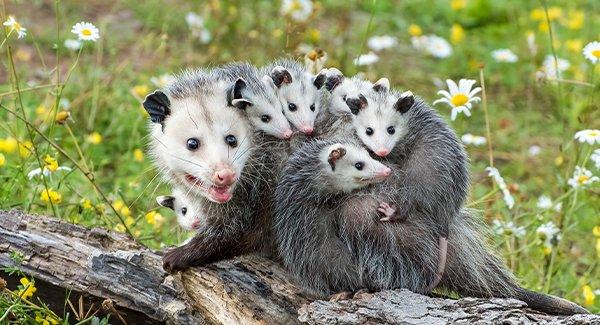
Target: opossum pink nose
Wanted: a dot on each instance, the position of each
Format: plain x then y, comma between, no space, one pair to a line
288,134
386,172
307,130
224,177
382,152
196,224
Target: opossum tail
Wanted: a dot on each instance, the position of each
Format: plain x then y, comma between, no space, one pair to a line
473,270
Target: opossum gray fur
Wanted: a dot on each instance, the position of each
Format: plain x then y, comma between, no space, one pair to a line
205,148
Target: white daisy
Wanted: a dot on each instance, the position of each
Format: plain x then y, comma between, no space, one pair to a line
596,158
72,44
504,55
581,178
531,45
550,66
474,140
86,31
495,175
298,10
508,229
549,234
46,171
378,43
419,42
14,25
438,47
196,24
589,136
366,59
592,51
544,202
460,97
534,150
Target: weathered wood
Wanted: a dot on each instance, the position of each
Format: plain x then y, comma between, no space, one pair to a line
103,264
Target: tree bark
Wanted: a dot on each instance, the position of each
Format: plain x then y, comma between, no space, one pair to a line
99,264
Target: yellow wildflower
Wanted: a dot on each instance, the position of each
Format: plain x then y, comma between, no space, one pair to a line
138,155
28,288
8,145
50,163
314,35
588,295
140,90
86,204
118,204
62,116
94,138
538,14
575,20
154,218
554,13
42,111
2,160
120,228
596,231
457,34
277,33
48,320
129,221
547,250
415,30
574,45
25,149
125,211
543,26
48,195
458,4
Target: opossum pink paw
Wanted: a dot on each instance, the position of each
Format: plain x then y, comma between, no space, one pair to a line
173,261
388,212
344,295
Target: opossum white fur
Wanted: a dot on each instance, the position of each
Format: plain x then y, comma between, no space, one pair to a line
257,99
196,106
189,216
297,91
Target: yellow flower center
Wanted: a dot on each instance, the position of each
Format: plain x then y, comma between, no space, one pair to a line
86,32
595,133
296,5
582,179
17,26
596,53
459,100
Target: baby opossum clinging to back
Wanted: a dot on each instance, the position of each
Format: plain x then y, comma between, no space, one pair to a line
187,216
330,236
205,147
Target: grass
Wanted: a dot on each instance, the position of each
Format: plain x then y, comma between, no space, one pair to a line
113,184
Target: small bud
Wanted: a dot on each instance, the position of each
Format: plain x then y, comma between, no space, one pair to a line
62,116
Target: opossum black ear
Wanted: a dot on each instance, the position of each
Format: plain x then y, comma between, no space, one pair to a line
335,154
334,78
356,104
158,106
166,201
405,102
280,76
319,79
381,85
234,95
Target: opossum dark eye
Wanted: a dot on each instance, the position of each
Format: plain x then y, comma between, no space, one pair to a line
183,211
369,131
344,98
231,140
391,130
265,118
193,144
312,107
359,165
292,107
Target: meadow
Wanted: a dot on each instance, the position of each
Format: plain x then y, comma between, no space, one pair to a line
73,131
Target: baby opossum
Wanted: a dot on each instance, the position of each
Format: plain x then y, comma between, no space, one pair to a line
297,90
205,147
329,234
315,179
187,217
257,98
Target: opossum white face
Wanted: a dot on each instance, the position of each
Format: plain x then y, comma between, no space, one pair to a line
380,120
298,97
201,142
263,109
349,167
188,216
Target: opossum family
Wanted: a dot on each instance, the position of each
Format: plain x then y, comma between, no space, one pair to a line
349,184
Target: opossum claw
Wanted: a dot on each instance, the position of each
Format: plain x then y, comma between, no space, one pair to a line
344,295
173,262
388,211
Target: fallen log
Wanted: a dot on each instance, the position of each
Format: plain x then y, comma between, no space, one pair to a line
98,264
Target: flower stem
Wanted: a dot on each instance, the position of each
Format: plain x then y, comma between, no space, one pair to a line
487,117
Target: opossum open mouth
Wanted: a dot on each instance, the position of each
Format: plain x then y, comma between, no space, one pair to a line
216,194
